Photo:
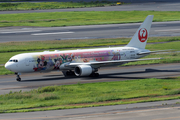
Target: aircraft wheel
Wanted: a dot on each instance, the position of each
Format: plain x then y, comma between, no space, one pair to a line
18,79
94,75
68,73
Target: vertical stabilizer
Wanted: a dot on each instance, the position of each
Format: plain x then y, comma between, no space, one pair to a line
140,38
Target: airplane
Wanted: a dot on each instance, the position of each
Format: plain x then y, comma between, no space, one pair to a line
84,62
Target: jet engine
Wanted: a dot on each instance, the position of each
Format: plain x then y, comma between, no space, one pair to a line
83,70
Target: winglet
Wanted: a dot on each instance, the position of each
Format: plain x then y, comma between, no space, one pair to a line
140,38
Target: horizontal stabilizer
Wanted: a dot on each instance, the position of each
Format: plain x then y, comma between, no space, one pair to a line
142,53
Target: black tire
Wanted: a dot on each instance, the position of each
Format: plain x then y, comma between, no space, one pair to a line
18,79
96,74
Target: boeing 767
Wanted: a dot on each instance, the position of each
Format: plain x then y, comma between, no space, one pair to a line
85,62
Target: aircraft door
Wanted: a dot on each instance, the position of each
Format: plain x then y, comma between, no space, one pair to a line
130,54
127,54
27,62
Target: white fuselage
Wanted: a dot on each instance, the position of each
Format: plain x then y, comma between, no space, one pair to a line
49,61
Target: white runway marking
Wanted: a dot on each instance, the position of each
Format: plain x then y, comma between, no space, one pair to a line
6,32
167,30
55,33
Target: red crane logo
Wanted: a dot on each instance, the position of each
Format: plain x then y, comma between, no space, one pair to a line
142,35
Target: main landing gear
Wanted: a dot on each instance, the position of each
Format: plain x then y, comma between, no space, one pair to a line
94,75
18,76
68,73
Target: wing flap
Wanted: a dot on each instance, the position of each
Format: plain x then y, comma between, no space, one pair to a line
102,63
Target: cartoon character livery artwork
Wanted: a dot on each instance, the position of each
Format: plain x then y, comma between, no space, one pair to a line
85,62
54,61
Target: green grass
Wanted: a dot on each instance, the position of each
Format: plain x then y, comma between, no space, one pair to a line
70,44
52,5
4,71
54,19
92,94
59,44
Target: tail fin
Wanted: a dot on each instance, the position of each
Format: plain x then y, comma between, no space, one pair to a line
139,39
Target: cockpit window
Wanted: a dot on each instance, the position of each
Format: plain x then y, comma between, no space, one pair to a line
13,60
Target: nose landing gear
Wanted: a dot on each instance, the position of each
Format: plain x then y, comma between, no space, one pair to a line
18,76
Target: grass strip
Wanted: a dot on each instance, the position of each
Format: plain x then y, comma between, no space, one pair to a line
52,5
54,19
90,95
72,44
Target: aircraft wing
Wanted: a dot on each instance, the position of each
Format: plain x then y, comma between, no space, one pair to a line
142,53
104,63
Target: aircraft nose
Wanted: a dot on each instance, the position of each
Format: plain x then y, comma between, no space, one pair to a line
8,66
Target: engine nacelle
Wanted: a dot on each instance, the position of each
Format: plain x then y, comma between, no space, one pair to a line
83,70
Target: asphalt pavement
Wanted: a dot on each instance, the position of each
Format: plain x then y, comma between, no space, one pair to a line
85,32
153,6
162,110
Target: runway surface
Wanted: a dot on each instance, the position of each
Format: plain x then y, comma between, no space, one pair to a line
85,32
141,111
163,110
156,6
35,80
